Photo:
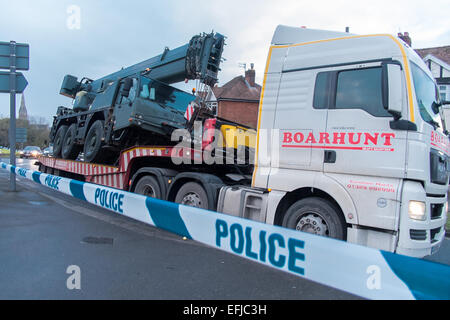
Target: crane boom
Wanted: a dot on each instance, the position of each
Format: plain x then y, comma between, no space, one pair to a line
198,59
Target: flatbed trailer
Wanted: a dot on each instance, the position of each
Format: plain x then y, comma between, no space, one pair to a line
106,175
138,163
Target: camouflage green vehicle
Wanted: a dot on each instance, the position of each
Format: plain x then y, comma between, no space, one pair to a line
134,106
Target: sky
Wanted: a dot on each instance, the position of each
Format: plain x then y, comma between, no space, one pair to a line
110,34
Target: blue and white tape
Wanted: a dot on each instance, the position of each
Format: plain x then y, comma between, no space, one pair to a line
363,271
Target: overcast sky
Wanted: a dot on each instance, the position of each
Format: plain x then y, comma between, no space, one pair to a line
113,34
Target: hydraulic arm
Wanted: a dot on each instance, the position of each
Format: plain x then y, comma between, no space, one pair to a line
198,59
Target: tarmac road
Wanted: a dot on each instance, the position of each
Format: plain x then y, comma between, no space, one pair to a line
43,232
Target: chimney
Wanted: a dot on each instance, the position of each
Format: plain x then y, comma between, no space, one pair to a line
250,75
405,37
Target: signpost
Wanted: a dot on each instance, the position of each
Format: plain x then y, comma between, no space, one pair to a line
13,56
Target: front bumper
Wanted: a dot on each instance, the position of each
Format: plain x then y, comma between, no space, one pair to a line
421,238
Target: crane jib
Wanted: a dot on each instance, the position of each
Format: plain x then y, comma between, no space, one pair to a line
198,59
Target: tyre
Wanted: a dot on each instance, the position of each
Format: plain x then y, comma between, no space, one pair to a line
192,194
59,139
148,186
318,216
93,143
70,149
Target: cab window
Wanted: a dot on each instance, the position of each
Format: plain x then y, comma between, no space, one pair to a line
361,89
351,89
164,94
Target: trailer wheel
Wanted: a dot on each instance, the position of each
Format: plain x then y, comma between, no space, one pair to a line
59,140
148,186
316,215
93,143
192,194
70,149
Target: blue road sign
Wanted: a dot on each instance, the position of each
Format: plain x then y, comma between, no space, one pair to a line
22,56
21,82
21,135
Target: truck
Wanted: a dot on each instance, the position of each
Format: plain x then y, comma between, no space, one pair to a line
349,144
135,105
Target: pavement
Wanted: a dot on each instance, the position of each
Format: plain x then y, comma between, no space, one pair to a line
43,233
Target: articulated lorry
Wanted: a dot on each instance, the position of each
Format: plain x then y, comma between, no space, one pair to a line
350,145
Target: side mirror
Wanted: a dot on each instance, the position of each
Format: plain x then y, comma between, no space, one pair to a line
392,89
127,84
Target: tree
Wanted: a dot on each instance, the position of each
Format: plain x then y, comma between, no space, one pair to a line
37,132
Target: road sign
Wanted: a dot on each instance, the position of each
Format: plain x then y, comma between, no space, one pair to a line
21,135
21,82
22,56
13,56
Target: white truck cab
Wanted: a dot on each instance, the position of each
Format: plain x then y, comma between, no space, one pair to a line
350,143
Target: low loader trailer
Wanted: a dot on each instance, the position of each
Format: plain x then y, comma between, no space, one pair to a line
350,144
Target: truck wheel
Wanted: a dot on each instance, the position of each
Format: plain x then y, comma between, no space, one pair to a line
317,216
192,194
148,186
70,149
59,139
93,143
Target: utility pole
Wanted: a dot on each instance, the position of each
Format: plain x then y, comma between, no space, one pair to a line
12,113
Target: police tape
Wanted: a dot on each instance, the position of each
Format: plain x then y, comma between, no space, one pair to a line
359,270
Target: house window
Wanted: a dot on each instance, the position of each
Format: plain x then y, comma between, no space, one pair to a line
443,93
212,105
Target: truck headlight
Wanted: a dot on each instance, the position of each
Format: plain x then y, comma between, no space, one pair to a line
416,210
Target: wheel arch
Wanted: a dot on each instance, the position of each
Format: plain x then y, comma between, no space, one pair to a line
61,122
301,193
99,115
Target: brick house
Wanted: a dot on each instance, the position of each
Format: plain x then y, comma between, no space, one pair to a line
438,60
238,99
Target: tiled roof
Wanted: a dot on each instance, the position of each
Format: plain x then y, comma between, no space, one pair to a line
442,53
238,88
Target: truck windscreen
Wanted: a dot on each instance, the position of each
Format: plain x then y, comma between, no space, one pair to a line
164,94
427,96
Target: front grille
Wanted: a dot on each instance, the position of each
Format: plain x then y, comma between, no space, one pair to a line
418,234
433,233
436,210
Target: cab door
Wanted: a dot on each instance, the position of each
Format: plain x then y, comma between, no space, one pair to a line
123,105
360,140
363,153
